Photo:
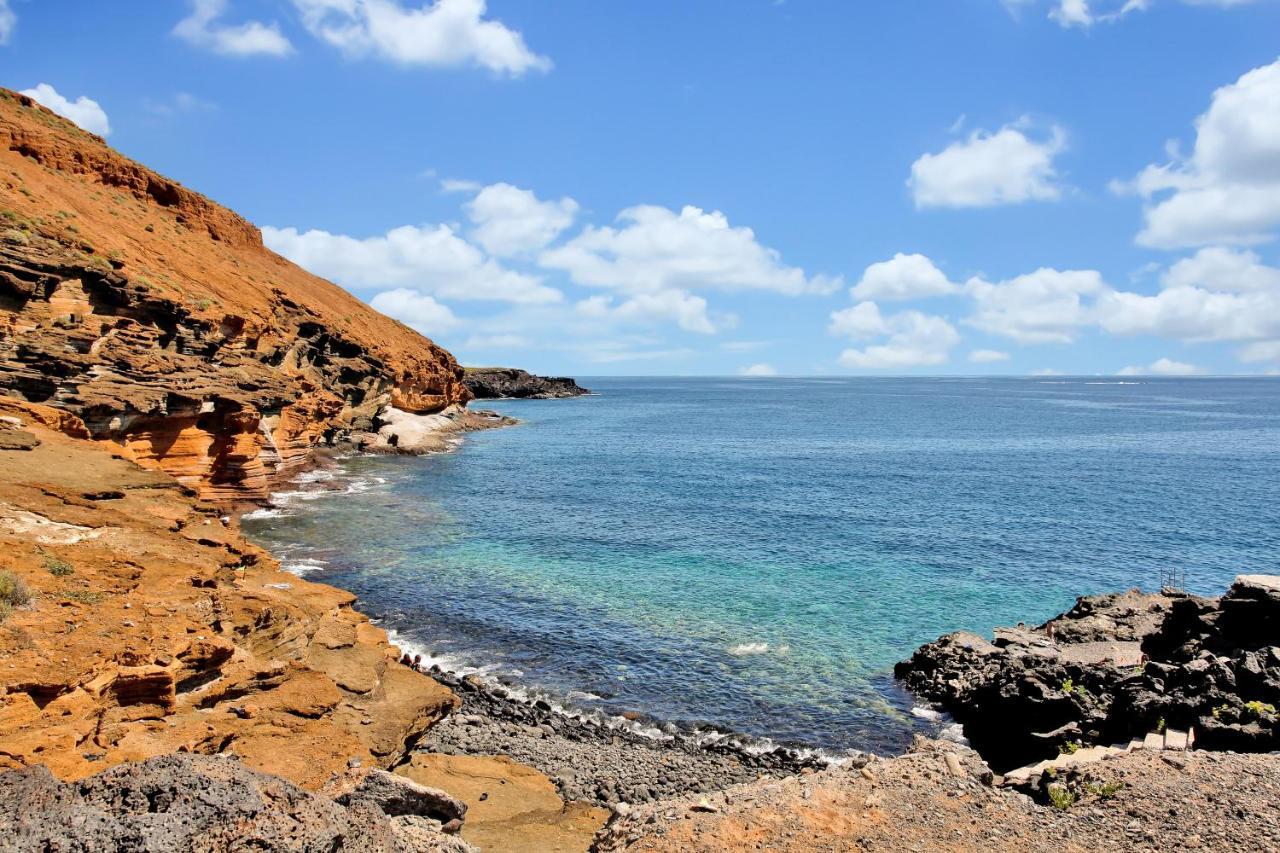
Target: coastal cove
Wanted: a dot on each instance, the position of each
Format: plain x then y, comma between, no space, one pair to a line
757,555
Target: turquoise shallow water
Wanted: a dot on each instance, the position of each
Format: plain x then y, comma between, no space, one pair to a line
757,554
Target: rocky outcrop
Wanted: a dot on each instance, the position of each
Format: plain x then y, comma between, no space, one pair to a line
153,627
160,320
1115,668
493,383
203,803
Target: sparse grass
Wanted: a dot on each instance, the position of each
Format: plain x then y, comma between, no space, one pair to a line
203,305
13,593
1104,790
16,237
56,566
1069,748
82,596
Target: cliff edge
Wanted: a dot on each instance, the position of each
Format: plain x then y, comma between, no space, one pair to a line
160,320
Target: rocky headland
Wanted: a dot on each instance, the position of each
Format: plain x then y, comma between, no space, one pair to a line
499,383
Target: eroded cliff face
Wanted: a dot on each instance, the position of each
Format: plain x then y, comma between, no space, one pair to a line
159,319
153,627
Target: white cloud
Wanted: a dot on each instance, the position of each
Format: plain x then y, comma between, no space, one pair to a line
988,169
987,356
85,112
252,38
1216,295
415,310
498,342
430,259
911,339
8,22
1228,190
1046,306
1262,351
758,370
442,33
687,311
511,221
1046,371
1083,14
656,249
903,277
459,185
1162,367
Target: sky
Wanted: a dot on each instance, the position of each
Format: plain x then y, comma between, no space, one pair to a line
726,187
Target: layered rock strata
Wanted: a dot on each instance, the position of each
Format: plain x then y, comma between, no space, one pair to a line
160,320
153,627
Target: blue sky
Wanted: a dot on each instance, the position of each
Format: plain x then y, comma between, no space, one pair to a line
800,187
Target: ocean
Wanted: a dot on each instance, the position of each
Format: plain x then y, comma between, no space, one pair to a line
756,554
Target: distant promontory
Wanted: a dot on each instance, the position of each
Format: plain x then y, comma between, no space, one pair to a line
492,383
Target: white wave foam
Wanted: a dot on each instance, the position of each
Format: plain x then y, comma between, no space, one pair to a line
263,512
954,733
302,565
926,713
749,649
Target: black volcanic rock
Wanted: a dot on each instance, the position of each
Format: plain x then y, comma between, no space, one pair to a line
1113,668
492,383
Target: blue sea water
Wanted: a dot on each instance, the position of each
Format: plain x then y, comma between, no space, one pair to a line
757,554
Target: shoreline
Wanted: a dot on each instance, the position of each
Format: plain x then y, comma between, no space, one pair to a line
589,754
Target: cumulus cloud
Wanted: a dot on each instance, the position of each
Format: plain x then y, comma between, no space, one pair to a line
988,169
1216,295
511,221
1045,306
1227,191
903,277
687,311
442,33
251,38
1161,367
907,339
8,22
655,249
85,112
758,370
415,310
430,259
987,356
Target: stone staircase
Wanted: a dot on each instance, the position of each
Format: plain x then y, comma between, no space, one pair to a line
1170,739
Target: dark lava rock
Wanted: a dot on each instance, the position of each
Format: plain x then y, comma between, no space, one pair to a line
493,383
195,803
1113,668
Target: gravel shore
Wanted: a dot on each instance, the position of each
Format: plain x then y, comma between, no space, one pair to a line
597,760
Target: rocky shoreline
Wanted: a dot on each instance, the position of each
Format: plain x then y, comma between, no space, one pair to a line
1114,668
594,758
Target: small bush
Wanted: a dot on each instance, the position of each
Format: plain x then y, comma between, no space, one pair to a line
13,593
1061,797
16,237
1069,748
1104,790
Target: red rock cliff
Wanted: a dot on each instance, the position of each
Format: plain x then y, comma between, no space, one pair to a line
158,317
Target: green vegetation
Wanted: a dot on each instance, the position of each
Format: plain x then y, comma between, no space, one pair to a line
1069,748
1104,790
1061,797
1255,709
57,567
13,593
1161,725
18,238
